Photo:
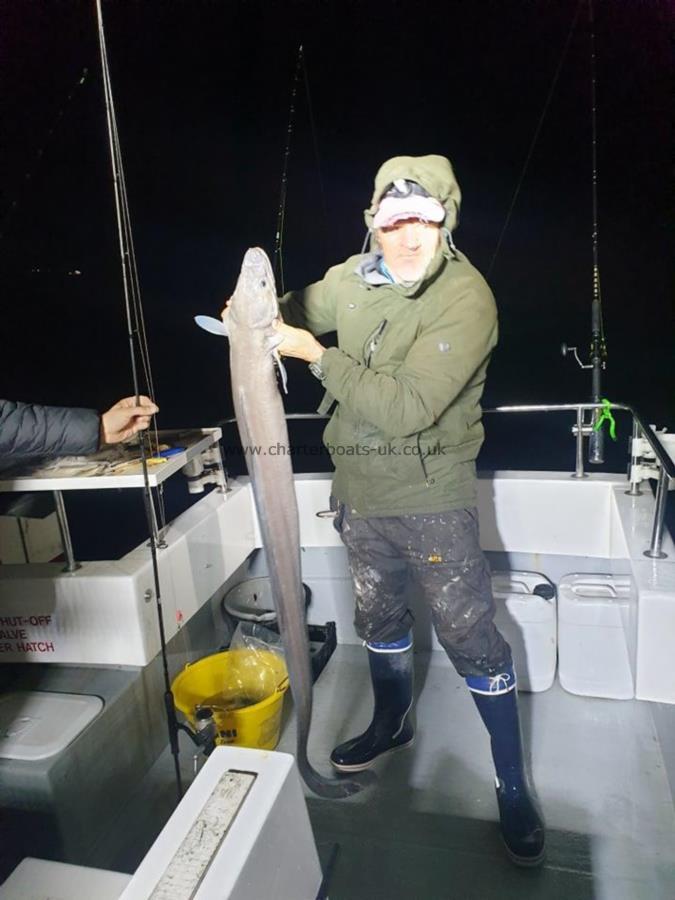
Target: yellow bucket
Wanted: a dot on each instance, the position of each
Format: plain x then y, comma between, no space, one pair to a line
245,690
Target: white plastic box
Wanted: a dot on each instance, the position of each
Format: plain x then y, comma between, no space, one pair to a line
226,841
526,616
36,725
44,879
593,611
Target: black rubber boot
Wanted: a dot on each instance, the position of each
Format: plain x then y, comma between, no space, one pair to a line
522,827
391,672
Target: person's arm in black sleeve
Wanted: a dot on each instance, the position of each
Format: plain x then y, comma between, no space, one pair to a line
27,429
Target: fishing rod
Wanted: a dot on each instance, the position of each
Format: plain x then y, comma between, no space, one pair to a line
598,346
278,263
137,347
533,141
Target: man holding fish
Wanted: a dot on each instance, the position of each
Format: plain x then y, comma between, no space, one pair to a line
416,325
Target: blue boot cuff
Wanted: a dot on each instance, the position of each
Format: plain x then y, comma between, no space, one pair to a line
404,643
493,685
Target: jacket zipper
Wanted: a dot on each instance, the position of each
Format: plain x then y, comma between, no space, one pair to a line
371,346
428,481
373,341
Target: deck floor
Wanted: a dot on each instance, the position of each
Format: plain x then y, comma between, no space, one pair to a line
429,829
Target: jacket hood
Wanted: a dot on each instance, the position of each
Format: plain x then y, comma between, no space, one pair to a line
434,173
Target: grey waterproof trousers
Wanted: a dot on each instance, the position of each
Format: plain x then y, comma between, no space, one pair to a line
441,555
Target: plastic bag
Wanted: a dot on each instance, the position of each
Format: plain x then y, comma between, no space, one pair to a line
256,666
257,638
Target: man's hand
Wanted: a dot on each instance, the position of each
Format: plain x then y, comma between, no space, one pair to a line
298,343
126,418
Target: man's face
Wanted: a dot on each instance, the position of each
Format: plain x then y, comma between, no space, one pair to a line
408,246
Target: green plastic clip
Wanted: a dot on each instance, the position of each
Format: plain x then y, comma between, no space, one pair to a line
606,416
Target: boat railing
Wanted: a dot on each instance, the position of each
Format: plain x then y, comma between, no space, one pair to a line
584,427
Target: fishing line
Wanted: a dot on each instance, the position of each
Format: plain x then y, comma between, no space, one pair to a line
40,153
136,334
140,346
535,138
139,317
315,142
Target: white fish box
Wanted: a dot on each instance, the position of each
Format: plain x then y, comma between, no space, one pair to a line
526,616
593,653
44,879
241,832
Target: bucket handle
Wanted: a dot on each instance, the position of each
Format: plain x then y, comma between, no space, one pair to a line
283,684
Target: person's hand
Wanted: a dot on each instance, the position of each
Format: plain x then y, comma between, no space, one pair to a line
126,418
298,343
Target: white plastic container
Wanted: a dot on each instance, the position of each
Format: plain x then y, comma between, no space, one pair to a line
44,879
36,725
593,612
526,616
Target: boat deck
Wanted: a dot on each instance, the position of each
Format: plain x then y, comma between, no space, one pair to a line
428,831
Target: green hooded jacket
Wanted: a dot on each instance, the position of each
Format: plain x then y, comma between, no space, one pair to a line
409,370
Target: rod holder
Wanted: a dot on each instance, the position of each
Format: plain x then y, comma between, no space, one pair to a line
71,564
634,490
579,430
655,551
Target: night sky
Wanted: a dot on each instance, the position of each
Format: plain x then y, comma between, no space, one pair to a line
202,92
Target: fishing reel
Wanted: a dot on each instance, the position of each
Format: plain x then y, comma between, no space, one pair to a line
599,352
204,735
565,349
597,364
